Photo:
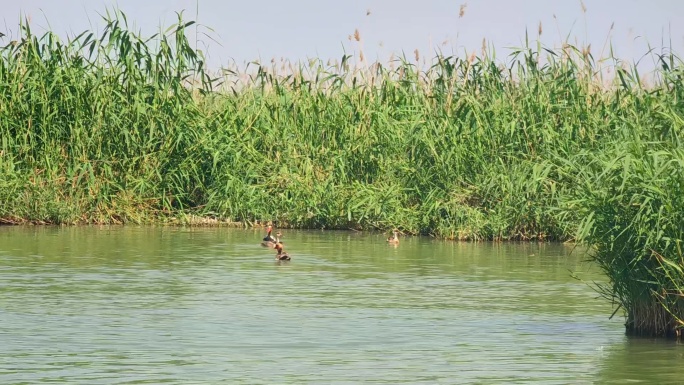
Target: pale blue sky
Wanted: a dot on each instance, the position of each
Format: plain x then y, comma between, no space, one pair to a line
297,29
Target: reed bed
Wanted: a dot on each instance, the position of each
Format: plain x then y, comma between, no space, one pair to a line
629,207
116,127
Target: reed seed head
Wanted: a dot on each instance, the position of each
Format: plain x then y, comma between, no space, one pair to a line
461,10
357,35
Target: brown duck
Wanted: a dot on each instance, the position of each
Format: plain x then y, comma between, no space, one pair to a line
268,240
280,254
394,240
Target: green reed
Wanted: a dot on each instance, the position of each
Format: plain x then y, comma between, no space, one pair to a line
628,207
118,127
100,128
458,149
627,204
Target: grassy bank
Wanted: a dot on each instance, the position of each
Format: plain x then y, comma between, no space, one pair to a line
116,128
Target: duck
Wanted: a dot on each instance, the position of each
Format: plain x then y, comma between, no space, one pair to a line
272,244
268,240
268,236
394,240
281,255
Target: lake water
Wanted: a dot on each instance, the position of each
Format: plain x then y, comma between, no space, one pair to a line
155,305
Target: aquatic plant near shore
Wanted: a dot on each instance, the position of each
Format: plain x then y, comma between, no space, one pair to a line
126,128
102,128
633,217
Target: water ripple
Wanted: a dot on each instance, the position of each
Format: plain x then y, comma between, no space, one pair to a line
134,306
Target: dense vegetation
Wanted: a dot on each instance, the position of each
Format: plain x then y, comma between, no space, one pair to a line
118,128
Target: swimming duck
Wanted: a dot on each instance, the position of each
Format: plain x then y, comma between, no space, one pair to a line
281,255
271,243
268,238
394,239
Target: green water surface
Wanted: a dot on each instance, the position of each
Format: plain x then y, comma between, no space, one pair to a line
139,305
